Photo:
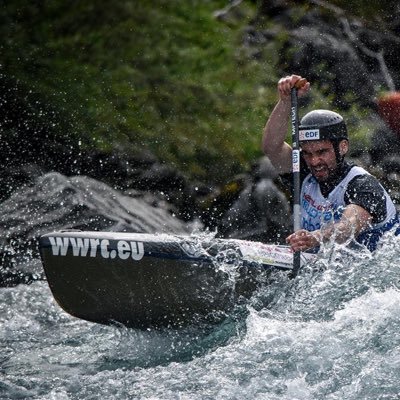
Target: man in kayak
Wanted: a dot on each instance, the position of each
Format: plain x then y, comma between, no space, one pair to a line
338,200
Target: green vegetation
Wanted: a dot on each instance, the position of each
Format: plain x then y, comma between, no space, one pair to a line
166,76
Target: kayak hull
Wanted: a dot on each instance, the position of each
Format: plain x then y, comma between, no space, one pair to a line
143,280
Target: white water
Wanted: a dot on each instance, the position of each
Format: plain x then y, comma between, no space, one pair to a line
331,333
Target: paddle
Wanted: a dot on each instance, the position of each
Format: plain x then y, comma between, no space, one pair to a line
296,167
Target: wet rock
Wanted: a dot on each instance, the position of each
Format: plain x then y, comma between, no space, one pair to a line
138,172
384,142
391,164
313,46
261,211
17,176
56,202
116,168
322,40
60,202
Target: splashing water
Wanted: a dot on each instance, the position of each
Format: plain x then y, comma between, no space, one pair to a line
330,333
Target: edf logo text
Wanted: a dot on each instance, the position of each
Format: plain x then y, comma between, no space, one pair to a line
309,134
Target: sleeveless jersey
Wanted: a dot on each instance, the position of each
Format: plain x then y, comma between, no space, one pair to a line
317,210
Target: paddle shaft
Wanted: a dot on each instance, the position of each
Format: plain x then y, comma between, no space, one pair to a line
294,115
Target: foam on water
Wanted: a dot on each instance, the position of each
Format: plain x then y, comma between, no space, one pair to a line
331,333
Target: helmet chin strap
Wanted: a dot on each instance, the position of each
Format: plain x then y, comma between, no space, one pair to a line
339,157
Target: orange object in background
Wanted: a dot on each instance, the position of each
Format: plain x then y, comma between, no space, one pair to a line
389,110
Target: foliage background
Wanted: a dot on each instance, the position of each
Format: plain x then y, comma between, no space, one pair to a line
167,77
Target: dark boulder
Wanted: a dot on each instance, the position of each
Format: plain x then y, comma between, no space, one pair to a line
56,202
322,40
261,211
384,142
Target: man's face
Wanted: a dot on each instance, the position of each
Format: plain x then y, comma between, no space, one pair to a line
320,158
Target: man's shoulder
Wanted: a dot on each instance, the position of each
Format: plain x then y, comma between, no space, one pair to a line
362,179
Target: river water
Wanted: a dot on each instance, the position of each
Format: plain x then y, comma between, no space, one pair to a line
333,332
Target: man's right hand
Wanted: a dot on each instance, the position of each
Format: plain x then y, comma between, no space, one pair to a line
287,83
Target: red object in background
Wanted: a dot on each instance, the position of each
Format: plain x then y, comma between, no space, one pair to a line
389,110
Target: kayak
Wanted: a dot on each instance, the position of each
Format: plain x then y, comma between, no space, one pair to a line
143,280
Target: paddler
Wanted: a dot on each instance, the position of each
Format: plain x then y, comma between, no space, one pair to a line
339,200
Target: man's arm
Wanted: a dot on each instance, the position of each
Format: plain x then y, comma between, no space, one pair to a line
354,220
273,141
368,193
275,130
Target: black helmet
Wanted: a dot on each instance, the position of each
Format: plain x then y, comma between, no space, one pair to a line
322,125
